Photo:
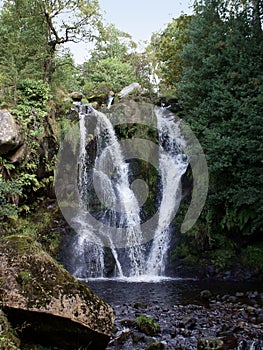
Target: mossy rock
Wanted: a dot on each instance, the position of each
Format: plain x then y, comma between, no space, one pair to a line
54,306
147,325
155,346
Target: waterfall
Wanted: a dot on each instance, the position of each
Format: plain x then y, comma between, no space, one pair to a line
114,204
172,164
110,177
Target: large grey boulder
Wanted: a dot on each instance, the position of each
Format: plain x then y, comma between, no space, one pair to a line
130,89
46,303
10,137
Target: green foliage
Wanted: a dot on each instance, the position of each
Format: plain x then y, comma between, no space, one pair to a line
114,64
8,336
168,46
33,93
109,68
33,31
38,227
110,74
113,43
252,256
19,183
66,75
222,258
155,346
35,347
221,91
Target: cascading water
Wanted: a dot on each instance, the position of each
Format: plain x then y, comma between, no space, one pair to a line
172,164
114,190
109,174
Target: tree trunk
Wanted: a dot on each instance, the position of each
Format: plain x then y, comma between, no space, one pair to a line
47,70
257,9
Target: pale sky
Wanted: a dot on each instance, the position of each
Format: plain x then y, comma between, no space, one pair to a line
139,18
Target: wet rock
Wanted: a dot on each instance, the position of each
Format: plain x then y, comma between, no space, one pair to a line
223,325
229,339
139,305
155,346
138,337
46,303
128,323
232,299
260,318
252,295
147,325
251,310
187,322
210,343
76,96
250,345
206,294
10,137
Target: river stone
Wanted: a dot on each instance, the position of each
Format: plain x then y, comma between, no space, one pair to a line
9,132
206,294
46,303
210,343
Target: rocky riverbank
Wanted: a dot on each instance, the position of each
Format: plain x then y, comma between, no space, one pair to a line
221,322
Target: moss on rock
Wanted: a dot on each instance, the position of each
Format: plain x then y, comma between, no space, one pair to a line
36,288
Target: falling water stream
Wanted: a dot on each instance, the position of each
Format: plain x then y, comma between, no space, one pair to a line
112,252
109,174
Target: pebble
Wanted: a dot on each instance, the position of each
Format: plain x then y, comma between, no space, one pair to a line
226,322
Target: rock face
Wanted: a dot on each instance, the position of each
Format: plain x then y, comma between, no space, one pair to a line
46,303
9,132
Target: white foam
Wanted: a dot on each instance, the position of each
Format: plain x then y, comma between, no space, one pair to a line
137,279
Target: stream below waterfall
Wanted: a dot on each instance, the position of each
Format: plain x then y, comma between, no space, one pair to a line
231,319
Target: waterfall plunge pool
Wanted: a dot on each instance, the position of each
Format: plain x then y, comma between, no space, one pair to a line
185,320
165,291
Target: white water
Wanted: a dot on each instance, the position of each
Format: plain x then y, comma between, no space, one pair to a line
110,178
172,164
111,182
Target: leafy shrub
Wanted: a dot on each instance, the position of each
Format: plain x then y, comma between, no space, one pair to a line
252,256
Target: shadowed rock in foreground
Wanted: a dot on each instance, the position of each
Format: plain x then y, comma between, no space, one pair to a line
45,303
